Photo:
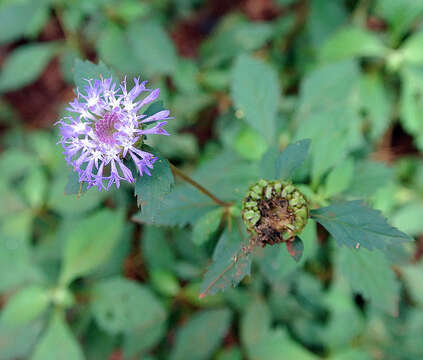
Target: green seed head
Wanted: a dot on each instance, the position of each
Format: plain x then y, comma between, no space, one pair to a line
274,211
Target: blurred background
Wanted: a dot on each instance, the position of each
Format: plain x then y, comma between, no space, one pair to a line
79,279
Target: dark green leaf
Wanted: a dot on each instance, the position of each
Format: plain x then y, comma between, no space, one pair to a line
370,274
291,159
230,264
152,190
73,186
204,228
355,225
201,335
122,305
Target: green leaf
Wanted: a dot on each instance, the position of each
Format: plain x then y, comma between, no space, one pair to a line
206,226
409,218
264,343
121,305
329,101
86,70
350,42
413,278
58,336
156,249
73,186
114,49
369,177
151,190
90,244
25,64
34,188
16,19
295,248
376,102
339,178
201,335
152,47
291,159
411,105
25,306
249,144
230,264
355,225
370,274
256,92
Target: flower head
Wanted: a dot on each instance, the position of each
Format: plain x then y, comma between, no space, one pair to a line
106,128
274,212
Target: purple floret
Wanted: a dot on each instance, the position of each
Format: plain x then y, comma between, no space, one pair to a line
106,129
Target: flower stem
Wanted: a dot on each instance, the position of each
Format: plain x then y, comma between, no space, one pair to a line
200,188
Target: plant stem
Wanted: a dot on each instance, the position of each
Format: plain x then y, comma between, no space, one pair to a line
200,188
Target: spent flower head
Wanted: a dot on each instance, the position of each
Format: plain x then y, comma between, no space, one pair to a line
274,212
106,128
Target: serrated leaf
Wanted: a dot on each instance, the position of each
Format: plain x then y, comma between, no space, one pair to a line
256,92
355,225
58,336
121,305
152,47
24,306
295,248
86,70
230,264
151,190
204,228
90,244
291,159
329,101
350,42
25,64
370,274
201,335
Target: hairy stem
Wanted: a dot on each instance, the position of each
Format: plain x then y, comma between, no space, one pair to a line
200,188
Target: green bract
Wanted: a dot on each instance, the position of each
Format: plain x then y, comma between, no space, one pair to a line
274,211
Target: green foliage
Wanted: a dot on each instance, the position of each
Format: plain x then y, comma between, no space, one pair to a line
25,65
255,91
88,246
355,225
88,274
201,335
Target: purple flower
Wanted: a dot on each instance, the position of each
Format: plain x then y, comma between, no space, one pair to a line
106,129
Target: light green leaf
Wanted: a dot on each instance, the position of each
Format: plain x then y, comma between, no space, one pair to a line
25,64
249,144
355,225
86,70
256,92
376,102
230,264
412,49
409,218
350,42
121,305
58,337
291,159
151,190
370,274
413,277
24,306
152,47
329,101
411,105
206,226
90,244
35,188
339,178
201,335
